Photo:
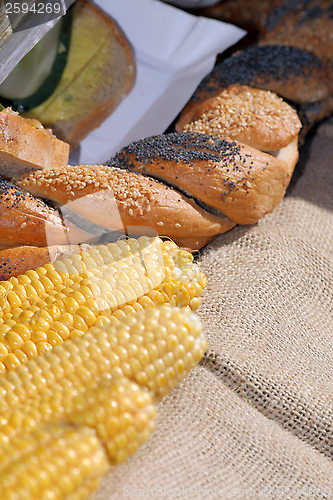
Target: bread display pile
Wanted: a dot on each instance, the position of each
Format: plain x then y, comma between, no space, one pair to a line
187,186
229,162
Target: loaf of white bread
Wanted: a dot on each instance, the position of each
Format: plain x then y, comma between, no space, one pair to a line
25,145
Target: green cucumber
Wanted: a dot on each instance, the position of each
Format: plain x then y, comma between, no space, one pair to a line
37,75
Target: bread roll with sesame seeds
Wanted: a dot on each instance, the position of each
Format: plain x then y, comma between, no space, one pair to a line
123,201
238,181
290,72
258,118
26,220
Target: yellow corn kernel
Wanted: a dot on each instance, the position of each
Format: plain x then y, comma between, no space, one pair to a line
10,322
33,307
119,314
21,356
43,347
38,336
14,299
4,329
38,323
22,330
87,315
11,361
29,348
6,344
14,339
3,351
79,323
54,338
75,333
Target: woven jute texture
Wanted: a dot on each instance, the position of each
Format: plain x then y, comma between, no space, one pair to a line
254,420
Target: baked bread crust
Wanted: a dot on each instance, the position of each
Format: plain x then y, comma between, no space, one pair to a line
258,118
292,73
314,112
26,220
237,180
194,244
124,201
289,154
25,145
305,24
247,14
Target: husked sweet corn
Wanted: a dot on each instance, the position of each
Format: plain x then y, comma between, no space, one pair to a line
106,381
60,301
121,412
156,348
32,464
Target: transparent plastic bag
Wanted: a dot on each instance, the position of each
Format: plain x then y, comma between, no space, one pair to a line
22,25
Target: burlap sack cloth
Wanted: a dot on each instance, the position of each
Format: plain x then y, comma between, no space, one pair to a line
254,420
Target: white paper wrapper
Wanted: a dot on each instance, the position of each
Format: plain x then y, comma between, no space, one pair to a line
174,51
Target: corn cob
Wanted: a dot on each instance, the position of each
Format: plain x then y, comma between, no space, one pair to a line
60,301
121,413
98,381
35,462
156,348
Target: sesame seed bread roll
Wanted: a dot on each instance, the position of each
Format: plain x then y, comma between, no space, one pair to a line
258,118
119,200
26,220
240,182
290,72
15,261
